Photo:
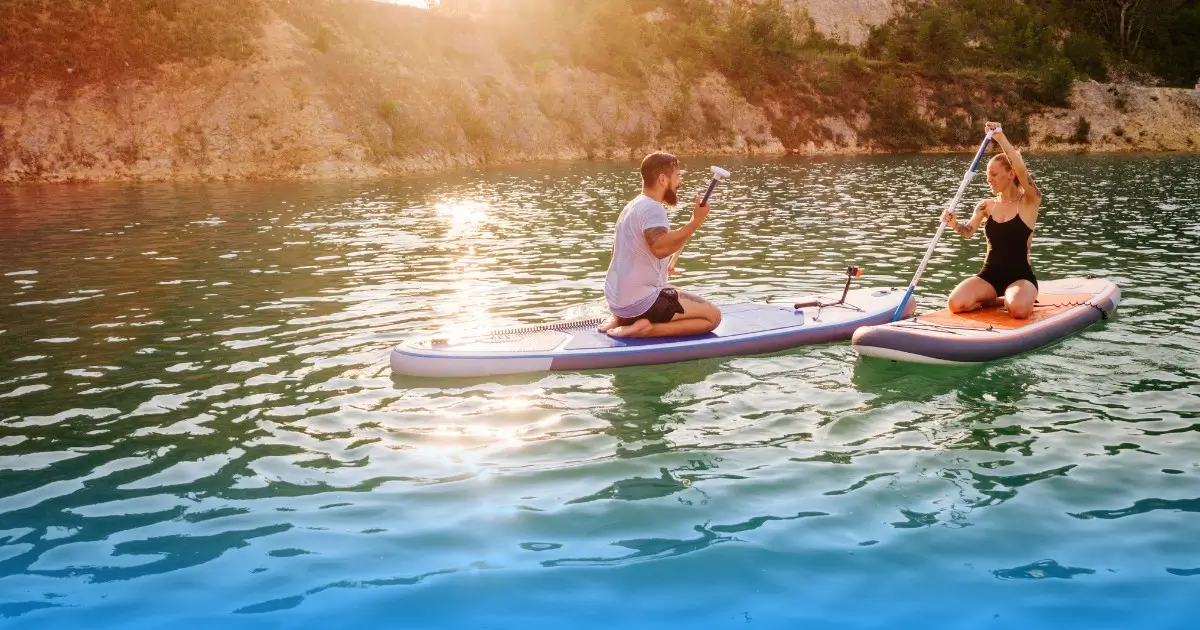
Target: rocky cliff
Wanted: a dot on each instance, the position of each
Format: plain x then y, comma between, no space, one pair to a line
1113,117
359,89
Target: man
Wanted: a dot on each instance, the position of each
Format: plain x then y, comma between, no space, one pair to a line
642,303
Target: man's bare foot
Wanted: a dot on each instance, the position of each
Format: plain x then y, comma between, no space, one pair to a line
636,329
609,325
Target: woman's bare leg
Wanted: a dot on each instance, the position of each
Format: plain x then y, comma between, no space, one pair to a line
970,294
1019,298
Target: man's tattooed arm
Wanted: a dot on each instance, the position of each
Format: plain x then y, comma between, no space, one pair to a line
653,234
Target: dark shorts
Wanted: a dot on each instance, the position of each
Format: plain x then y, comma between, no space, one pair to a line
1001,280
665,308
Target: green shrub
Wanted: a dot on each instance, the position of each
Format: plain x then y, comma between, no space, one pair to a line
1052,83
1021,36
933,36
960,130
940,37
1016,126
1085,51
389,110
1121,101
854,66
756,40
895,123
1083,131
678,113
406,134
80,42
608,36
323,39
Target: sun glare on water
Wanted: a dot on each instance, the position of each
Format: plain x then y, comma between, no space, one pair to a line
465,221
464,218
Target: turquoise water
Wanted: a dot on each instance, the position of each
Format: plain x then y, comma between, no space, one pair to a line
198,425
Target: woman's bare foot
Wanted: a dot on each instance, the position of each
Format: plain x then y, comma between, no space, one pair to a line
609,325
636,329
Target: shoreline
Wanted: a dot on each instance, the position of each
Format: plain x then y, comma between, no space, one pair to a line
566,162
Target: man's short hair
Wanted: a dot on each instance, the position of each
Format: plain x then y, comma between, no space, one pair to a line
655,164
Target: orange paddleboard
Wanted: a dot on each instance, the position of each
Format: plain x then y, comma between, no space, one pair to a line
1063,307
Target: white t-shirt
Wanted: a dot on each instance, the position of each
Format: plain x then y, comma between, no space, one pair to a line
635,275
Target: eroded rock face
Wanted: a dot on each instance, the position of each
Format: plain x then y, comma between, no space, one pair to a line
849,20
296,113
223,121
420,102
1121,118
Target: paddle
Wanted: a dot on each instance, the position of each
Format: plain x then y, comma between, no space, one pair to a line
718,174
962,188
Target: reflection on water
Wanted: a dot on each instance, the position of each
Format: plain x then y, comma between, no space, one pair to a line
195,403
1042,570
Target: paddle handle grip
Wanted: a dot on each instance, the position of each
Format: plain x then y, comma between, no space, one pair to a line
708,193
962,189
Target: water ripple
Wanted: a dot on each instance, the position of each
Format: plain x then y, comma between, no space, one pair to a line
194,390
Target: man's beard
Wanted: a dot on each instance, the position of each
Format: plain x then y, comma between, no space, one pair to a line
669,197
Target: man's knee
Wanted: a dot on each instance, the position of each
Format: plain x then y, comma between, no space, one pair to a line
713,319
709,313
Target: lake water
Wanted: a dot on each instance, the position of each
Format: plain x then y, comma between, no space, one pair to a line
198,424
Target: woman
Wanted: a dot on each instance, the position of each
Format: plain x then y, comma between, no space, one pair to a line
1011,217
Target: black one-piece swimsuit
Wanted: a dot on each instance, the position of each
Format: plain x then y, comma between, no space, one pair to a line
1008,253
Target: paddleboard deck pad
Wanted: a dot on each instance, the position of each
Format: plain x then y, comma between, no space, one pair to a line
745,328
1063,307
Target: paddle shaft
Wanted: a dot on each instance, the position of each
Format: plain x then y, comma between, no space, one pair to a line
962,189
708,193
